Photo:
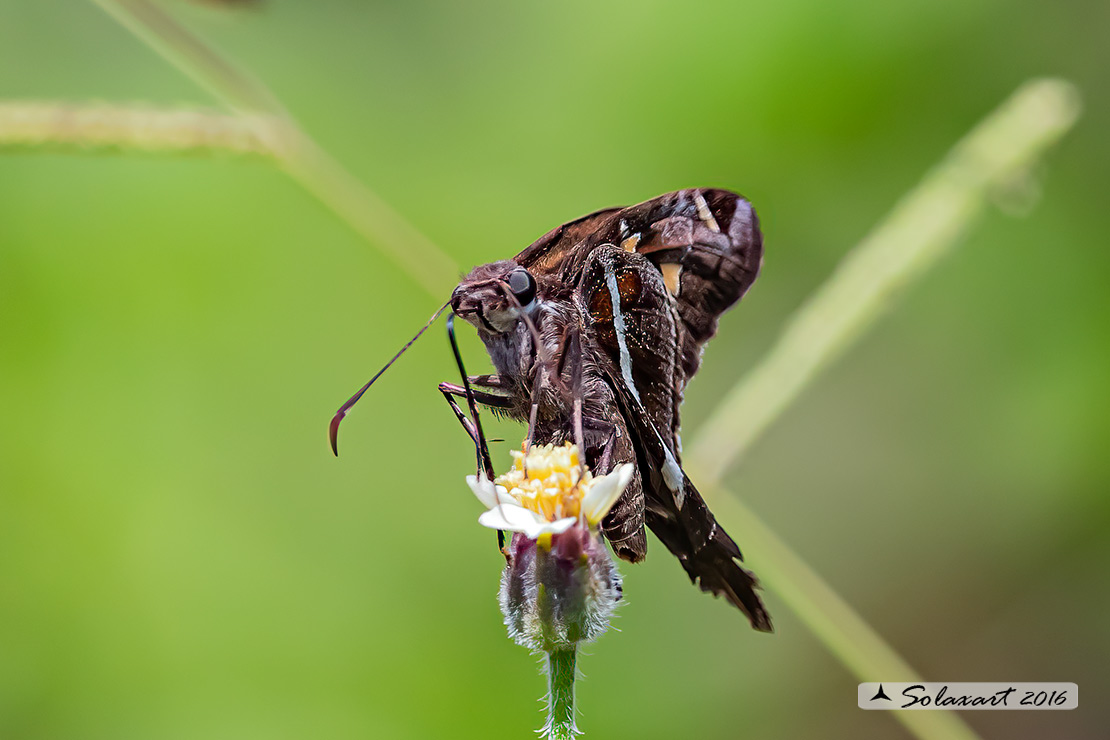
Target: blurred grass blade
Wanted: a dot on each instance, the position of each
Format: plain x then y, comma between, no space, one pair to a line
922,228
99,127
832,621
299,154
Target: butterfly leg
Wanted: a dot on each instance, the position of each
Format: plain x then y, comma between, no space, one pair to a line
574,349
487,397
485,392
487,389
483,389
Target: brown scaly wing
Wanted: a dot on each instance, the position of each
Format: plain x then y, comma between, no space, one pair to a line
562,251
634,330
705,242
708,246
630,318
636,342
710,557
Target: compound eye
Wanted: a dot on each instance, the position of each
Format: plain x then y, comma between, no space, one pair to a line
523,286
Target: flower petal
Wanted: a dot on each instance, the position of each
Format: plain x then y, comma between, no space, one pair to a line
604,492
488,493
511,518
545,527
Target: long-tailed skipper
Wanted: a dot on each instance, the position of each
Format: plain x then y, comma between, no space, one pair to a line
594,331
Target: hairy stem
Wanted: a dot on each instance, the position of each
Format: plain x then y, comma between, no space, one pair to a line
560,699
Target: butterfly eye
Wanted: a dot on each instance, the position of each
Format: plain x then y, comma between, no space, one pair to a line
523,286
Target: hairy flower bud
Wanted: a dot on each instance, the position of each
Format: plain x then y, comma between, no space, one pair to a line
559,590
560,584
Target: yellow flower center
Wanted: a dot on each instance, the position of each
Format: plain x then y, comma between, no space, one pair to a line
548,480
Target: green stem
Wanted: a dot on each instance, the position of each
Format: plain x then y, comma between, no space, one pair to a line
302,158
921,229
560,699
97,127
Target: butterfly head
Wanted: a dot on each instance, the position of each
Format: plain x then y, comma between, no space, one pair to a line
492,296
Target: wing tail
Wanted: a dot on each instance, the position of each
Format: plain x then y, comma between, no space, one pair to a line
710,557
719,573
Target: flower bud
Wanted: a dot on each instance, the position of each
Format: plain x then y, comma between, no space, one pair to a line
558,590
560,584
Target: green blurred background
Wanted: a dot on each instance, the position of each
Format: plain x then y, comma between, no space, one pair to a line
182,557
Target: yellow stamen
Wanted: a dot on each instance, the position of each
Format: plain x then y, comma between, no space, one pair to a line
554,483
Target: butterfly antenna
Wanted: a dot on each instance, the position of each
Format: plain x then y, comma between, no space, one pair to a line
333,428
471,402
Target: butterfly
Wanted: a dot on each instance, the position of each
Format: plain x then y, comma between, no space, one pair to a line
594,332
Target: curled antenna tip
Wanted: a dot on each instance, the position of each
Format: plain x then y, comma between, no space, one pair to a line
333,428
333,432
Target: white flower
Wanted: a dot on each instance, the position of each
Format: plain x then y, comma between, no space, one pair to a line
487,492
547,491
604,492
506,513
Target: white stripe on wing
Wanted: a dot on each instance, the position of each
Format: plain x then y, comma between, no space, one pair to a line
672,472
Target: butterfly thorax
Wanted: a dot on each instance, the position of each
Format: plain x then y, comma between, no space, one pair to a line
525,334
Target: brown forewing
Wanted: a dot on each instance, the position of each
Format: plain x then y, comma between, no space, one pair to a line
707,239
